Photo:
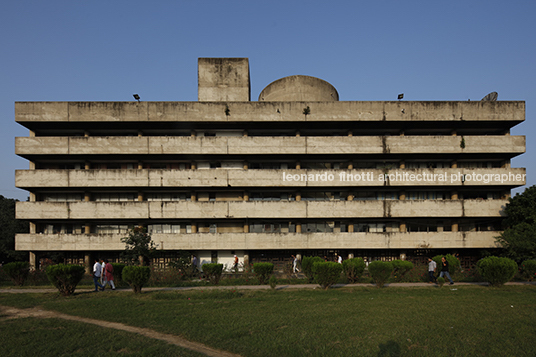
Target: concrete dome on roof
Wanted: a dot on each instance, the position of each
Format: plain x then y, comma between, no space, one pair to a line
299,89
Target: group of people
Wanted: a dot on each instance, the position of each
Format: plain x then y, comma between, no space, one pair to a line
432,266
103,274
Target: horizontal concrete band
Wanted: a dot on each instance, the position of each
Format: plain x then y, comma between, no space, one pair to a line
253,241
156,145
226,178
455,111
259,209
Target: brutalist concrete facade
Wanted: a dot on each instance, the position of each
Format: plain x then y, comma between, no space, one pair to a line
297,172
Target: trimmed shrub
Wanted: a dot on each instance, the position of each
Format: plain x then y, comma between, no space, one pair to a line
353,269
380,271
400,268
17,271
65,277
118,272
263,271
327,273
272,281
454,263
136,276
213,272
497,271
440,281
307,266
528,269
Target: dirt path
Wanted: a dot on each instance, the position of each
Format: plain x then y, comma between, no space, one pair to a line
12,312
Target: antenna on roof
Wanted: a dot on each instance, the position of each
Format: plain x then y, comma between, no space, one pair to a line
492,97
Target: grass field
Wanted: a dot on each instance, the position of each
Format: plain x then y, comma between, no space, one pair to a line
459,321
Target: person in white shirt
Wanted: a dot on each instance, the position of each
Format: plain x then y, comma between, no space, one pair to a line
97,273
431,270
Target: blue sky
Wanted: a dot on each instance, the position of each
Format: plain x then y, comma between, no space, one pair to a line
368,50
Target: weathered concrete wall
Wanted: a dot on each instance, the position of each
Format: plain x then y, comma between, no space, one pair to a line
299,89
268,145
259,209
507,177
223,79
268,111
267,241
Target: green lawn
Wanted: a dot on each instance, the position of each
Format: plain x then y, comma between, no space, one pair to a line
359,321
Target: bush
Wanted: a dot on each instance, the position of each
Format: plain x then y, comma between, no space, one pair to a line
213,272
528,269
65,277
136,276
326,273
380,272
272,281
454,263
440,281
353,269
497,271
307,266
17,271
263,271
118,272
400,268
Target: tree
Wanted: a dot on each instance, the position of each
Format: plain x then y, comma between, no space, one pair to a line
138,246
9,226
519,236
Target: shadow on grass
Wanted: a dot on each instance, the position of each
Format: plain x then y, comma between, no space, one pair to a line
389,349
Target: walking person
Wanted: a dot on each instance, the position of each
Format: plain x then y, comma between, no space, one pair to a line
432,266
97,273
445,270
235,264
294,264
109,275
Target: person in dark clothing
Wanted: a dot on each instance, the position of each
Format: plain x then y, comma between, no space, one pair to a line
445,269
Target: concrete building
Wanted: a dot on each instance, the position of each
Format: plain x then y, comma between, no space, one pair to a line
296,172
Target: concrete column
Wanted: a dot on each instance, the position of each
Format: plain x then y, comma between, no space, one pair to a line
350,228
193,165
298,166
33,261
140,165
245,133
31,134
87,165
298,228
350,197
193,197
246,261
506,164
350,166
454,195
402,133
87,263
402,196
87,229
454,227
246,165
350,133
33,197
453,133
32,165
193,134
87,197
246,228
140,196
297,133
194,227
246,195
86,133
402,164
454,165
298,196
402,227
33,229
140,133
